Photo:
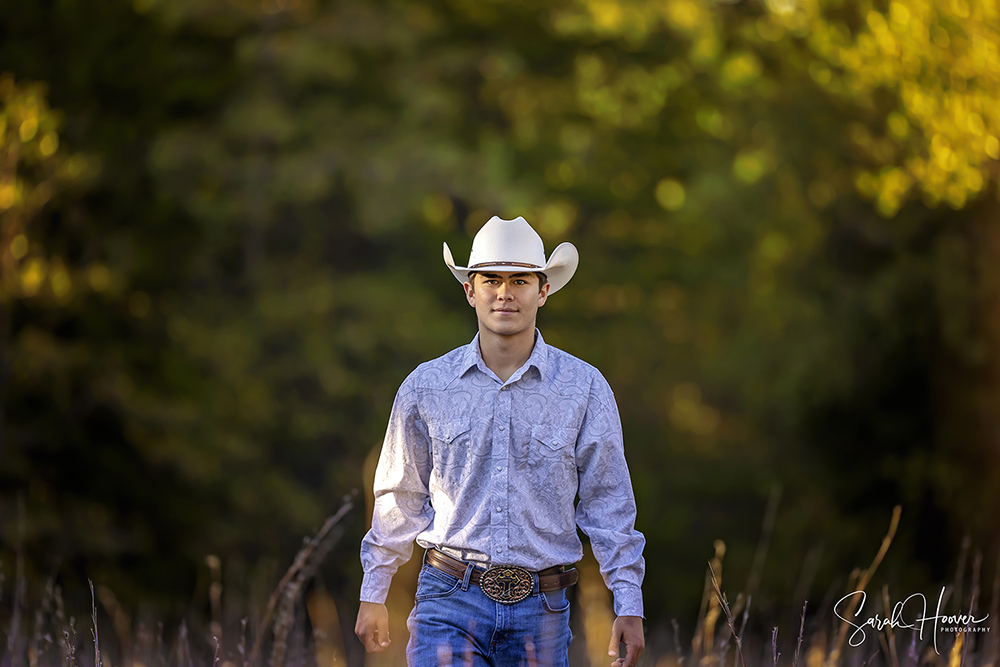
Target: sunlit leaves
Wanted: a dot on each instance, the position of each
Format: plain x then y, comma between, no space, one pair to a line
739,70
751,164
942,61
32,172
670,194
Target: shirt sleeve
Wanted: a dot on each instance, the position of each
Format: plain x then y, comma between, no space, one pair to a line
402,501
606,511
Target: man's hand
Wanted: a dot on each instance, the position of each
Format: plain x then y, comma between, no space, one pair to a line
627,629
372,627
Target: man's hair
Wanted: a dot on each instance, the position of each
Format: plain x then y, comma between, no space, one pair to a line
542,278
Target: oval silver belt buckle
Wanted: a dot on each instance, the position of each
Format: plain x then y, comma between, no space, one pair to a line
506,583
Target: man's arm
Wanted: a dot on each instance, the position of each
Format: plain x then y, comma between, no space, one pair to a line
606,513
402,509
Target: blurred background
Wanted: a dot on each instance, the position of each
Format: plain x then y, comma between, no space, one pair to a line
220,253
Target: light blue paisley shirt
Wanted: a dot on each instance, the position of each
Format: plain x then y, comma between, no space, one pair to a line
477,464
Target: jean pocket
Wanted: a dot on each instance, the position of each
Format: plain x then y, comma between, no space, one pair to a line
555,601
433,583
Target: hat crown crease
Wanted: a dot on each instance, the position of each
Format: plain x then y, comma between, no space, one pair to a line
502,241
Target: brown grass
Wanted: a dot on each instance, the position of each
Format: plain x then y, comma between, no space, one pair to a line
282,638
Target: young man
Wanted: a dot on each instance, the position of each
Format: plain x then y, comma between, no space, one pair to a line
486,451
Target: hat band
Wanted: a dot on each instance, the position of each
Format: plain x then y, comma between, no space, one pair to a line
521,264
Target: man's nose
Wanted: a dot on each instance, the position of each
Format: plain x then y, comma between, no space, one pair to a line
503,292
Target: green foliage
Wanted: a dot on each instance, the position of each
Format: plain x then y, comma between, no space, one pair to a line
255,266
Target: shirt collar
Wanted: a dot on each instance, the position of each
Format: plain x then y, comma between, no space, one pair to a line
473,358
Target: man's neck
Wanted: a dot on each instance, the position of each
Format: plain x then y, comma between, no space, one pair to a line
505,354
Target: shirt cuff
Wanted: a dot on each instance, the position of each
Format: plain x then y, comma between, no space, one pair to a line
628,601
375,587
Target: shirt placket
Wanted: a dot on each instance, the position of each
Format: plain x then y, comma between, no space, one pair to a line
499,524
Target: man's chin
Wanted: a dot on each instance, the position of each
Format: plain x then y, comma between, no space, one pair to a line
507,328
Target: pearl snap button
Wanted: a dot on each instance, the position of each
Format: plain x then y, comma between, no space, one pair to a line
499,549
499,509
501,428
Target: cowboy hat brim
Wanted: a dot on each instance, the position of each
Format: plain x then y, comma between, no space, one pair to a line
559,268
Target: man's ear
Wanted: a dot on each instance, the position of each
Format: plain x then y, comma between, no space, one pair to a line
470,293
543,294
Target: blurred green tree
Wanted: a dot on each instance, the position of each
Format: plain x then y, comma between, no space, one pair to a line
769,279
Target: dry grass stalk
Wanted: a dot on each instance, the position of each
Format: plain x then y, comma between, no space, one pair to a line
93,618
284,621
158,646
890,634
774,647
69,643
677,641
702,641
722,647
729,615
965,632
802,629
977,565
242,646
60,607
834,656
883,643
286,617
912,655
696,638
955,656
183,647
215,593
743,625
37,637
288,589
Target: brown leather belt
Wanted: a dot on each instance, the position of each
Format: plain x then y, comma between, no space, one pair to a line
550,579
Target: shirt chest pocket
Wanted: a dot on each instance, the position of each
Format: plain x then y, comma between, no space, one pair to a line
450,442
553,443
448,431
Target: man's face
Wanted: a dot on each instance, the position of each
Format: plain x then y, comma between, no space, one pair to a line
506,302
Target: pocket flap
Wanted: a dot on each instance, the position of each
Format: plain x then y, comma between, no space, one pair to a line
554,437
448,430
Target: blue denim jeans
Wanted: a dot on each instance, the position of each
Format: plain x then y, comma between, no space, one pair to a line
454,624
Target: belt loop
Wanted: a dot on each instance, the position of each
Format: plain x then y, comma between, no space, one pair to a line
468,575
535,585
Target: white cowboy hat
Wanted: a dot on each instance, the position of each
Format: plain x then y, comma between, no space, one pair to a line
512,245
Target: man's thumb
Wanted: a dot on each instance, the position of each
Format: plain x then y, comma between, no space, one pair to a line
613,646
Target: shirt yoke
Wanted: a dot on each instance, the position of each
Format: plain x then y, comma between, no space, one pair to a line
565,374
